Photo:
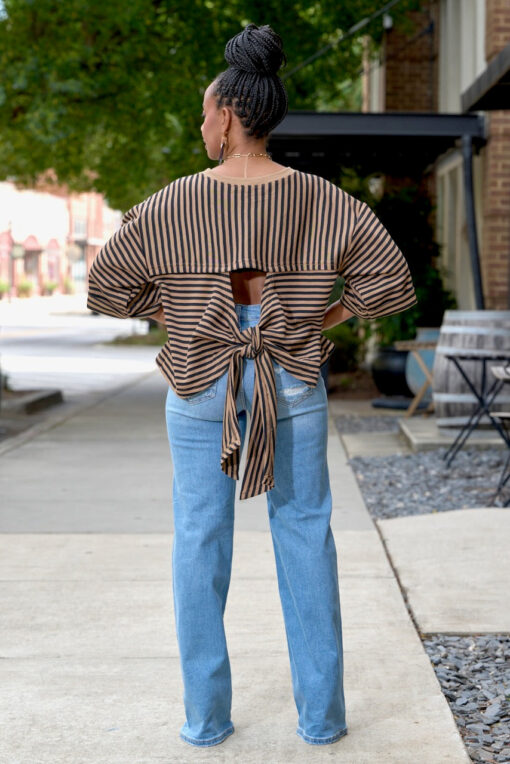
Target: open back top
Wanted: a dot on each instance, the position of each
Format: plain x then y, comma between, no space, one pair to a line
176,250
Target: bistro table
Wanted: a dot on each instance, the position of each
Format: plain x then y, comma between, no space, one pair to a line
503,417
484,394
413,346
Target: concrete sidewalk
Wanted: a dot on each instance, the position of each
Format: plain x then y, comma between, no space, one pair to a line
90,669
455,568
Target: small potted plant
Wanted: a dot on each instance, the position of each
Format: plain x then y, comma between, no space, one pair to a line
49,287
24,288
68,286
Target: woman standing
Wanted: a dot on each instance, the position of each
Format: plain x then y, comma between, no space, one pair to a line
239,262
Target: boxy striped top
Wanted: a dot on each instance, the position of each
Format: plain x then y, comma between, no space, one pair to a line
176,249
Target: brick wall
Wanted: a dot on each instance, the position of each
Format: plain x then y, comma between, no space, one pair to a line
496,202
412,64
497,26
496,198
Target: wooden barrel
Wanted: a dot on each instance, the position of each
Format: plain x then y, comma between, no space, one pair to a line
479,332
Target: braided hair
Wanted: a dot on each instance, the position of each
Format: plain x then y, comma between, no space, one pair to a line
251,84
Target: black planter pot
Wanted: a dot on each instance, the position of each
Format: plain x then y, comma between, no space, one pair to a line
389,372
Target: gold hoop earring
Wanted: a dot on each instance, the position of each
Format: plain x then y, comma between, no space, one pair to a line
222,149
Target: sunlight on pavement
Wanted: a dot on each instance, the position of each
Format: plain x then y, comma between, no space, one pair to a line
77,365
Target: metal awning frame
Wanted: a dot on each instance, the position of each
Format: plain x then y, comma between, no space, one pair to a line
467,131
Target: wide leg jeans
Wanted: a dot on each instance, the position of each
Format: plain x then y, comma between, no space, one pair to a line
299,509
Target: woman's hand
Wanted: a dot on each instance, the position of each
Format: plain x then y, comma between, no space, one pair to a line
335,314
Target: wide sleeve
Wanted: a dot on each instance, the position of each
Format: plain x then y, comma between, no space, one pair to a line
119,282
377,277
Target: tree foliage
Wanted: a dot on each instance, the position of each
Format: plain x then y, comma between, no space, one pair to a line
108,95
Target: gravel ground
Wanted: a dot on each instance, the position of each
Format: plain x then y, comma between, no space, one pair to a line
474,670
416,484
474,674
352,423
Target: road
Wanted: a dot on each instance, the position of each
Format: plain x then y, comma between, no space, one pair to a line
48,342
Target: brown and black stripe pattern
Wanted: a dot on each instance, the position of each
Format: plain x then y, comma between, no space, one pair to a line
176,250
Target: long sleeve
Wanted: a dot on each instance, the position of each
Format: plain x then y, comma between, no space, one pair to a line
377,277
119,283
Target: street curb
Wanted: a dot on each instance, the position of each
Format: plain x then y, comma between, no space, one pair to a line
73,409
32,402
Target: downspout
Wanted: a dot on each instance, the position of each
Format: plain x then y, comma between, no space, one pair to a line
467,156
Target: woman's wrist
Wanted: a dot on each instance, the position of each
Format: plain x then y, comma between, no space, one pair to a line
335,314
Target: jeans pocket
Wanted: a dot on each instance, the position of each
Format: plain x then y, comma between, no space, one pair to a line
289,389
203,395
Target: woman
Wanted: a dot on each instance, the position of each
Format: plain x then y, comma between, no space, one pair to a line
239,262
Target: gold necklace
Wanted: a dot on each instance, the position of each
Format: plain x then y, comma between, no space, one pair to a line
250,154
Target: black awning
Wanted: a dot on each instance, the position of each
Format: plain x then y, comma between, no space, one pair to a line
404,144
396,143
491,89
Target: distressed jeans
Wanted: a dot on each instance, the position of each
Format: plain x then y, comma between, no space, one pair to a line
299,508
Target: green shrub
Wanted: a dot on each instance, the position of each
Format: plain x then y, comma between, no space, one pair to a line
157,336
4,288
406,214
348,346
68,286
49,287
25,288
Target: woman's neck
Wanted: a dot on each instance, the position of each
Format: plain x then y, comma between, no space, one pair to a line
244,167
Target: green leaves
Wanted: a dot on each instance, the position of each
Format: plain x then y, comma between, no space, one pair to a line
109,94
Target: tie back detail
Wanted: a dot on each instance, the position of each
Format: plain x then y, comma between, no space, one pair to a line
254,344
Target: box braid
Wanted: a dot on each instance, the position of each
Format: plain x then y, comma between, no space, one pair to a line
251,84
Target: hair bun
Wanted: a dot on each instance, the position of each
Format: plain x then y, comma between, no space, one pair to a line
257,50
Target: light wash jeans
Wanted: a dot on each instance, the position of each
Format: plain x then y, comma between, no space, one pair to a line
299,508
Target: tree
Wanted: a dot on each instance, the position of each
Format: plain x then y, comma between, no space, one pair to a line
108,95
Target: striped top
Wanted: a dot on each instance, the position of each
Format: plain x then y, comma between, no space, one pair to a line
176,249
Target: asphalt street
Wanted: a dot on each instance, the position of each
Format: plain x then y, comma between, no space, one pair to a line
57,343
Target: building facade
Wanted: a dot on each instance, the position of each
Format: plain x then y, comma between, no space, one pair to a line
428,71
49,237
